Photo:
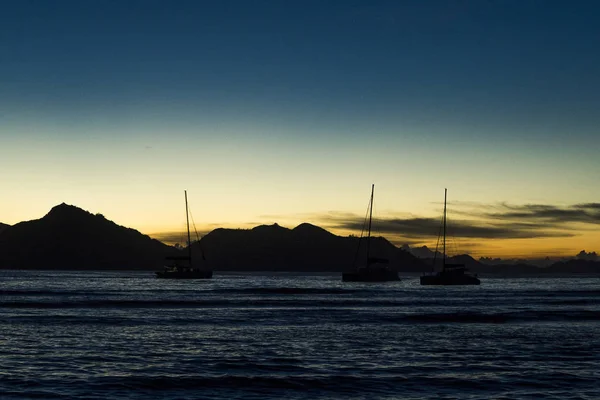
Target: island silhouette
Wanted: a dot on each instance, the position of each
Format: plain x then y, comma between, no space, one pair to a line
69,237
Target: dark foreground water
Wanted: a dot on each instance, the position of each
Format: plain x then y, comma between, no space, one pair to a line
127,335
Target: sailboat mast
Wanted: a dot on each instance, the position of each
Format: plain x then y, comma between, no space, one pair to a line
187,219
444,258
370,219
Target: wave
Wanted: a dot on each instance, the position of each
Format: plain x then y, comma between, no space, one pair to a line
342,316
230,291
347,385
83,300
501,317
286,290
39,292
69,303
290,304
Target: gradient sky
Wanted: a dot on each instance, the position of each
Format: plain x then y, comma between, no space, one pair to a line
287,111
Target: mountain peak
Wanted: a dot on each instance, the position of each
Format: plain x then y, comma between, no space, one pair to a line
65,210
272,227
310,229
70,237
306,225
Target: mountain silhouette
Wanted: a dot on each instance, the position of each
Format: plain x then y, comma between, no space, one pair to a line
465,259
575,266
3,227
304,248
71,238
421,252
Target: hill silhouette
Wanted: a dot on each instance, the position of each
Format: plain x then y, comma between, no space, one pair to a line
421,252
3,227
573,266
304,248
71,238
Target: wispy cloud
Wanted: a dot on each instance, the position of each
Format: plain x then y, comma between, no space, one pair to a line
476,221
430,227
588,206
543,214
480,221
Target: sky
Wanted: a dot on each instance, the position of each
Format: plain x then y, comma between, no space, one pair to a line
287,111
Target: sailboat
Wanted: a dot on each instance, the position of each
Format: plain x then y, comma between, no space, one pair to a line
451,274
375,269
181,267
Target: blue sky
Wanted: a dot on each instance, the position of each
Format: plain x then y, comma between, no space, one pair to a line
293,108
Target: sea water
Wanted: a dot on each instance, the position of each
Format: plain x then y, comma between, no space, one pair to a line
123,335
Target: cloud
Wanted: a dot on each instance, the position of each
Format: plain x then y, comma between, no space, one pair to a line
543,214
481,221
418,227
476,221
588,206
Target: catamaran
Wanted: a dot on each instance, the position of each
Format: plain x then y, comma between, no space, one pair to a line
451,274
375,269
181,267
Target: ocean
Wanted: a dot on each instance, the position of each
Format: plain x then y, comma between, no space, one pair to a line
127,335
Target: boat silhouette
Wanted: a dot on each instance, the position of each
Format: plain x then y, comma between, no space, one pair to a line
451,273
181,267
375,268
